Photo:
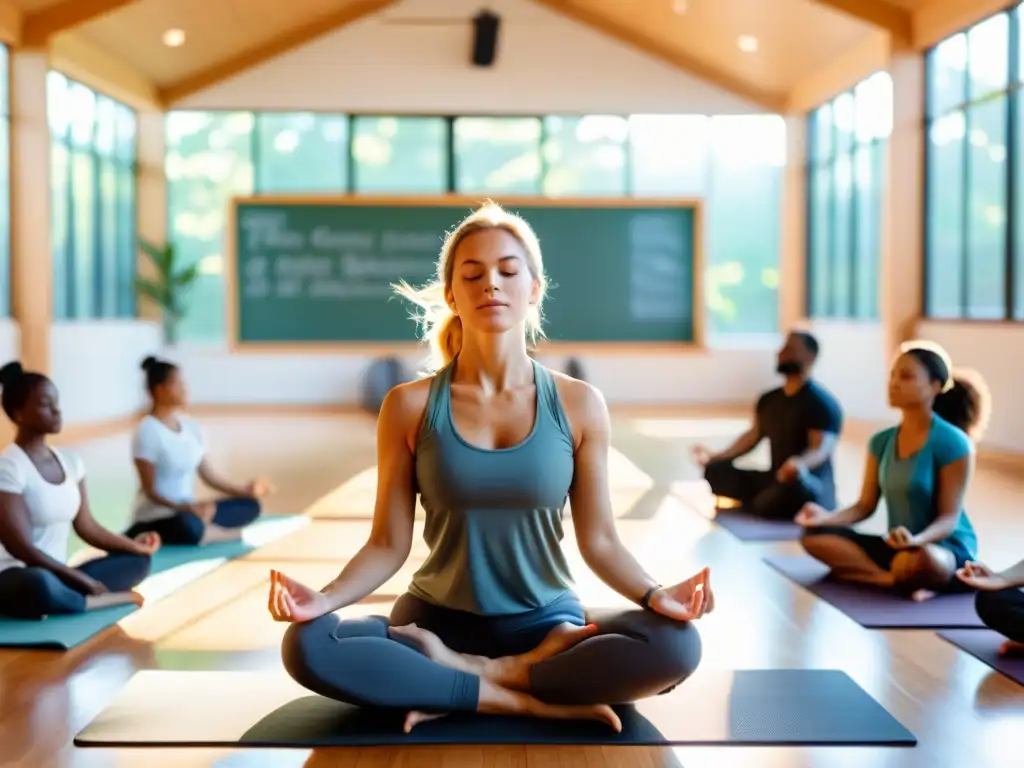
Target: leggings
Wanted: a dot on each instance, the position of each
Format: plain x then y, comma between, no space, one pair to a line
186,528
33,593
1002,611
764,496
635,654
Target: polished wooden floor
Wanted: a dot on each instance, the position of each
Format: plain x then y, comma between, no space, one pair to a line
962,712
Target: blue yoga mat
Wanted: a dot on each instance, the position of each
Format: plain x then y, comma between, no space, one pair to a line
173,567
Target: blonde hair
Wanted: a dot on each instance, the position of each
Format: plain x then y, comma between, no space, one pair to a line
442,328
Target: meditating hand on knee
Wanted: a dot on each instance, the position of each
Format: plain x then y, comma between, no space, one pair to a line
999,601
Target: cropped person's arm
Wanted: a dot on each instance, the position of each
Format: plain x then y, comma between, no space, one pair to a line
743,444
16,537
953,480
95,535
390,540
820,446
219,484
592,515
866,505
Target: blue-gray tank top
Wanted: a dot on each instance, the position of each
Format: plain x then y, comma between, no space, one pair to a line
493,517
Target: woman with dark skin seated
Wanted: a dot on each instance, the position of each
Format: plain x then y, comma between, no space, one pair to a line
495,443
169,453
922,469
42,497
999,602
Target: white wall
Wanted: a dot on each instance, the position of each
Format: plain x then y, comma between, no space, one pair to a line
718,376
854,365
995,351
95,365
403,60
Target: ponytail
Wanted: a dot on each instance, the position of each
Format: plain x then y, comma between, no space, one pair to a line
963,399
965,404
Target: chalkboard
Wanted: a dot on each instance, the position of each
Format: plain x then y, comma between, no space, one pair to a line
309,270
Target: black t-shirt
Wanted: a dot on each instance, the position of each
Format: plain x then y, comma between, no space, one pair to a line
786,420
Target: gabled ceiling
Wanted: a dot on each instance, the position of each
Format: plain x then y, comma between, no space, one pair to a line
795,38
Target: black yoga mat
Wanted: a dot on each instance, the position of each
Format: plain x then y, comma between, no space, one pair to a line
251,709
878,608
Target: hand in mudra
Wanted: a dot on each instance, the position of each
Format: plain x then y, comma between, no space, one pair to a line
260,487
686,601
291,601
982,577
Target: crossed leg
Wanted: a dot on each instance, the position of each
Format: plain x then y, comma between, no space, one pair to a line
865,559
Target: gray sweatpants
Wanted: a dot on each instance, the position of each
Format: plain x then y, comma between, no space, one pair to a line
635,654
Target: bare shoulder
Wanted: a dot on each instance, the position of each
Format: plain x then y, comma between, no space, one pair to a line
403,408
584,406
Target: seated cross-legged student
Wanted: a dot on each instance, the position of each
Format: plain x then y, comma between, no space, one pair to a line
42,497
169,455
921,468
802,421
999,602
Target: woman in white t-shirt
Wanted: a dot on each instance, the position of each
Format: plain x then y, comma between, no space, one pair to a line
169,455
42,497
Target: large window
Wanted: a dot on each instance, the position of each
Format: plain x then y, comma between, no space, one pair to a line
846,156
92,220
733,163
5,185
973,256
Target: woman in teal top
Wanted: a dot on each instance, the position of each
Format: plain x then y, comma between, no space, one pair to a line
922,468
495,444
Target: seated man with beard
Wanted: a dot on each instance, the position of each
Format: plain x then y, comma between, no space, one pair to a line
802,421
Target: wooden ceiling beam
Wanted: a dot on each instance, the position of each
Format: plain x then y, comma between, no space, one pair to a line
40,26
897,21
11,22
772,102
259,54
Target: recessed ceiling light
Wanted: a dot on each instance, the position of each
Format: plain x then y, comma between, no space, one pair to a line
174,37
680,6
747,43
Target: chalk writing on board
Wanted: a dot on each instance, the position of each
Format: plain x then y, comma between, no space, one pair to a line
657,280
328,263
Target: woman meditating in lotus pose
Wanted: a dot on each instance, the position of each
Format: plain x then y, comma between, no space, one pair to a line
999,602
922,468
495,443
42,498
170,454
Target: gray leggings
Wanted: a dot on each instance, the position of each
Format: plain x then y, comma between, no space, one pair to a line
635,654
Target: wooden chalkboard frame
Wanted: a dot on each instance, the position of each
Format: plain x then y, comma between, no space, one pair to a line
374,348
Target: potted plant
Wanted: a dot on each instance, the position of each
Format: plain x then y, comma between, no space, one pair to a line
168,285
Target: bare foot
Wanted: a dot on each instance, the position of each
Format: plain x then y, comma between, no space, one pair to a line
514,671
110,599
503,701
920,595
431,646
415,718
1011,648
508,671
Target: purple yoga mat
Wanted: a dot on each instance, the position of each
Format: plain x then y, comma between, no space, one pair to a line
878,608
983,644
747,527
